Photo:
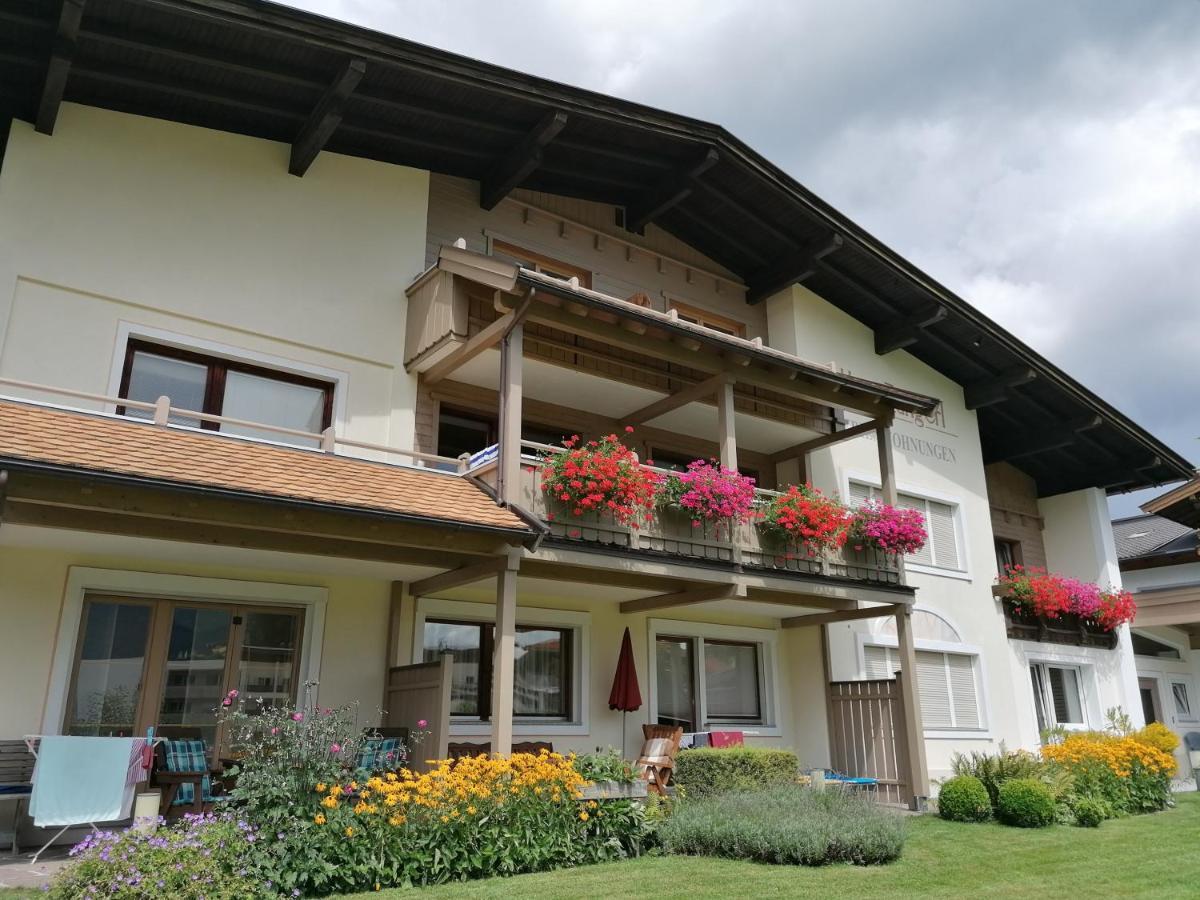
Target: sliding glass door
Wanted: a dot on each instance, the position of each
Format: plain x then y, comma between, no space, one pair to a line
144,662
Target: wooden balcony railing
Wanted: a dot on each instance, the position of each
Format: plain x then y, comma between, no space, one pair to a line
671,533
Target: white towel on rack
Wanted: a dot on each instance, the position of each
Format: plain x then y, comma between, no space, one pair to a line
80,780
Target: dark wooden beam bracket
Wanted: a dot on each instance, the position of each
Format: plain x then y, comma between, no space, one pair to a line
521,161
59,66
325,118
674,189
989,391
794,268
904,331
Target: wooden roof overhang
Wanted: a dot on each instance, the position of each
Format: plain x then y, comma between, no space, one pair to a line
272,72
1180,505
566,306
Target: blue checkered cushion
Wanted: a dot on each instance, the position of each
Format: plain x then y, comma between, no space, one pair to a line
188,756
373,755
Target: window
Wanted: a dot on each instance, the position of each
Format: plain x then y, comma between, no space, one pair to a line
462,431
941,550
1144,645
544,264
709,320
543,669
1057,695
222,387
1181,696
702,681
1008,554
145,663
946,682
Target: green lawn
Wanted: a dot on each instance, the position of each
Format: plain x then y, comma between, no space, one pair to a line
1145,856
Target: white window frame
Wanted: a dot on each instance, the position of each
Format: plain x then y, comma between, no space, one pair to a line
1084,676
1189,686
768,672
960,526
82,580
578,622
127,331
978,667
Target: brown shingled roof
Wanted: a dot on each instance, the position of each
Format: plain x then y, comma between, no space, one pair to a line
108,445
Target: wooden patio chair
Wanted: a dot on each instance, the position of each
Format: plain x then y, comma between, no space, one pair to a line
534,747
656,762
169,782
458,749
16,780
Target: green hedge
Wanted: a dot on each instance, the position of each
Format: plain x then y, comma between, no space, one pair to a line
705,772
964,799
790,825
1026,803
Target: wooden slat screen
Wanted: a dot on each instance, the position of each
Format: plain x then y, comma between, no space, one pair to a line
867,735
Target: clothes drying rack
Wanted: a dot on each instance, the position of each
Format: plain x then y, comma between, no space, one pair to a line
31,741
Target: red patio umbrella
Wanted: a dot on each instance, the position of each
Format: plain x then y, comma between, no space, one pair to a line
625,694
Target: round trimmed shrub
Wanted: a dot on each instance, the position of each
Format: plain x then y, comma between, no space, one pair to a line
1025,803
1089,813
964,799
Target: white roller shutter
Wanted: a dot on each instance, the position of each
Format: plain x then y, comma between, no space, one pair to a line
934,689
962,687
939,521
879,662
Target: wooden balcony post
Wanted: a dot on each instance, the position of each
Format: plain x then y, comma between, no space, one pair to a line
887,464
728,436
504,657
910,698
509,481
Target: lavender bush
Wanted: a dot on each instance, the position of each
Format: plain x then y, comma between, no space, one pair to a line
200,856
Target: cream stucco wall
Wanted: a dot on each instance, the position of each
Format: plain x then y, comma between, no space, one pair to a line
32,595
119,222
938,457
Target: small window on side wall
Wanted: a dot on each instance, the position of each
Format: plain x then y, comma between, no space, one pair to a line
212,385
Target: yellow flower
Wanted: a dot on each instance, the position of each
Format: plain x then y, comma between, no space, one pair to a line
445,819
592,804
320,787
349,831
330,802
471,810
583,816
319,818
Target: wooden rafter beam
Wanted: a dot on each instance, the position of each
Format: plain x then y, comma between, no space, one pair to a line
794,268
673,190
904,331
800,386
997,389
1043,440
831,618
706,594
453,578
699,391
521,161
325,117
489,336
59,67
826,440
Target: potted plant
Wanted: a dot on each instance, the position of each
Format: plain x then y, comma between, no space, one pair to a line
601,476
709,493
886,528
805,517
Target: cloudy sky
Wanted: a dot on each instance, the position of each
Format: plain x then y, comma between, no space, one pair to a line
1041,159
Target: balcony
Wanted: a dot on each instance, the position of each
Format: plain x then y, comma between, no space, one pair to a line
671,535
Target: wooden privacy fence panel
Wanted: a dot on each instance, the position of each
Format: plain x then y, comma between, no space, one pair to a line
417,692
866,730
